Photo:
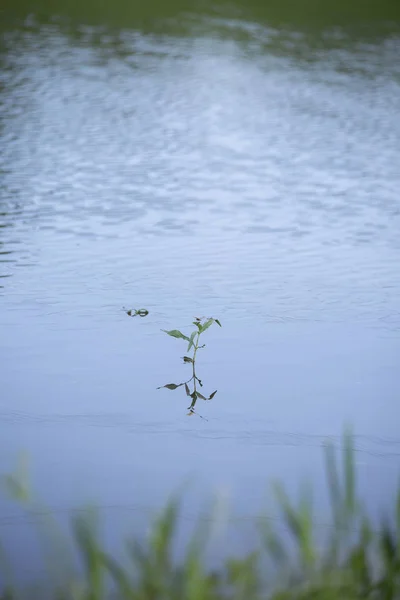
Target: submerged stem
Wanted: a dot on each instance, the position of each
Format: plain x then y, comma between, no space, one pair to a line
196,347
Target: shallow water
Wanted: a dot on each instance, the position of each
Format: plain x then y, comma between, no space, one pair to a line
212,166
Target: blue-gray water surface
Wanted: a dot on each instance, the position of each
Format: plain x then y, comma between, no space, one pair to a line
222,168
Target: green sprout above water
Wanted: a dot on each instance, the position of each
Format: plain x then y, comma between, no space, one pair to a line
191,385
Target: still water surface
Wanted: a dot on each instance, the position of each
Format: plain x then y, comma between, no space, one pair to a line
219,167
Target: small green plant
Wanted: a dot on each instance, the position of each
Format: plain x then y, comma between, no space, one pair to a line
202,325
191,385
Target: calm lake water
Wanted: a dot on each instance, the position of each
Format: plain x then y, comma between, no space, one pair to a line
199,163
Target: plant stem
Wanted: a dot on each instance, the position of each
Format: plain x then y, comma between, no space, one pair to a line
196,347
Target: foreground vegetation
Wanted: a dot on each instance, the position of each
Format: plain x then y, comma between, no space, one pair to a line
356,561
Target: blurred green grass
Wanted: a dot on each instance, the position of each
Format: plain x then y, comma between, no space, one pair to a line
356,561
302,15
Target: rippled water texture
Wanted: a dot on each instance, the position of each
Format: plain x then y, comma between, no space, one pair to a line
210,166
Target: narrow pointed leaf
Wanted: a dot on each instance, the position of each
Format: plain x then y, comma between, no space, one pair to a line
176,334
191,340
187,389
349,473
398,520
187,359
118,574
335,492
16,488
273,543
206,325
201,396
212,395
218,322
170,386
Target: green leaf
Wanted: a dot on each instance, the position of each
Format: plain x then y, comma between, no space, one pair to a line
17,483
273,543
335,492
119,575
86,534
212,395
187,359
398,520
187,389
191,340
176,334
349,475
299,523
201,396
217,322
170,386
16,488
206,325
